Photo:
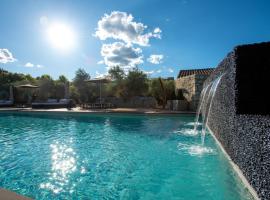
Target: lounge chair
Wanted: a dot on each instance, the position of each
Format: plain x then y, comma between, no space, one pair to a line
53,103
6,103
97,105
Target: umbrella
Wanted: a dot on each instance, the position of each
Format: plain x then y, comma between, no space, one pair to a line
27,86
99,81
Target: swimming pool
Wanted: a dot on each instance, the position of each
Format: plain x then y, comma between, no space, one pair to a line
55,156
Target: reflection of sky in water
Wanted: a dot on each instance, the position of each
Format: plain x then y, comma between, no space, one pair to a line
63,163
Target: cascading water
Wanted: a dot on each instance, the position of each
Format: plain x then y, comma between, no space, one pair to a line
199,109
208,105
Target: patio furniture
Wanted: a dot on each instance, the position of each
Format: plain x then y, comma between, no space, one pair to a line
6,103
53,103
97,105
10,102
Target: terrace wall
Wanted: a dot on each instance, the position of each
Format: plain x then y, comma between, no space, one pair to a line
244,131
134,102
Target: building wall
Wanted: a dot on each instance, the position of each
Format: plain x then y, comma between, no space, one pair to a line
187,85
199,82
191,86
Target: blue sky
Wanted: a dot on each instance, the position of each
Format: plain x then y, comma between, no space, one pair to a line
180,34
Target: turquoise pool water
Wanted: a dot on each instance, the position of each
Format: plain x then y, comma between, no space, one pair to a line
112,157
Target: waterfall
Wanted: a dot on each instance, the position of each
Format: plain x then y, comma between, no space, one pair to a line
206,101
199,108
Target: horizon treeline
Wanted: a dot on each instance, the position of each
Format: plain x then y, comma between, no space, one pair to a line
122,85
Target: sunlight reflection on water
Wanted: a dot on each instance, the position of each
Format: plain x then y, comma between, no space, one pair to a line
63,161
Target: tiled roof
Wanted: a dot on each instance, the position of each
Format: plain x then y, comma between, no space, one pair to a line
188,72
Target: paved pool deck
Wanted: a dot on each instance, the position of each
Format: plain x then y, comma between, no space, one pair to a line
114,110
9,195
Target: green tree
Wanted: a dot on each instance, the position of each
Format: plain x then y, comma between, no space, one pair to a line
60,85
116,73
29,78
117,87
7,78
62,79
82,87
162,90
46,87
136,83
80,77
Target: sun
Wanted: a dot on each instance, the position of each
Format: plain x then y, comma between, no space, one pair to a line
61,36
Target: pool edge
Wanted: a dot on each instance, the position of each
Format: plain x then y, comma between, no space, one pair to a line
238,171
82,112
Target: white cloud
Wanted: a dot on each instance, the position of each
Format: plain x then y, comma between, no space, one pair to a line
122,55
6,56
158,71
155,59
39,66
101,62
120,26
149,72
101,75
170,70
157,31
29,64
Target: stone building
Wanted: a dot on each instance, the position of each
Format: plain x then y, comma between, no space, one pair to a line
189,84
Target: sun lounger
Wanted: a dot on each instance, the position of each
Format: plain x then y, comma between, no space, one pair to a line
53,103
97,106
6,103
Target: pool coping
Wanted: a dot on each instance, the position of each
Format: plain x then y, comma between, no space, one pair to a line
10,195
102,111
236,168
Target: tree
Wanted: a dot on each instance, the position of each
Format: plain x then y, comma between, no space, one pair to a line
6,78
117,87
82,87
162,90
46,76
62,79
29,78
46,87
116,73
80,77
60,85
136,83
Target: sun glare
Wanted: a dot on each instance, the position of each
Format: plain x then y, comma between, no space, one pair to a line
61,36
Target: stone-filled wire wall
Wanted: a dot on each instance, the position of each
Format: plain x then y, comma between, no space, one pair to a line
245,137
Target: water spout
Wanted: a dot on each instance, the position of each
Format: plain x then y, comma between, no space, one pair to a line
207,102
199,108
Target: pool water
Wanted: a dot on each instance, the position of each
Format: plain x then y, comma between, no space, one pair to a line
55,156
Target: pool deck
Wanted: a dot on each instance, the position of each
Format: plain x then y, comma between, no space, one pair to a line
9,195
114,110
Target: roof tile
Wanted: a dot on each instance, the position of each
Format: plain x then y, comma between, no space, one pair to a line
206,71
